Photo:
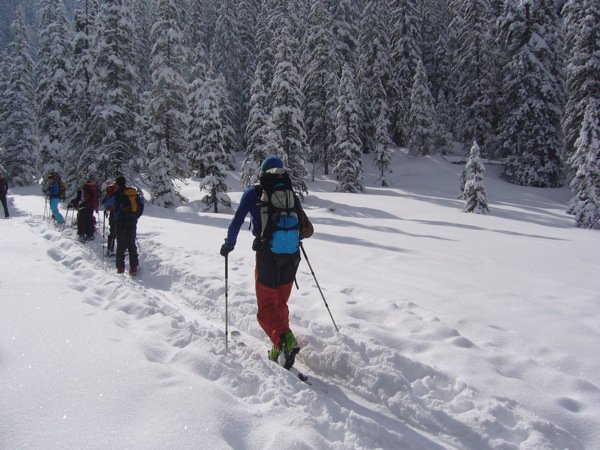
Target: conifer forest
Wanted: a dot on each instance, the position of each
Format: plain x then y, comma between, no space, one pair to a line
167,90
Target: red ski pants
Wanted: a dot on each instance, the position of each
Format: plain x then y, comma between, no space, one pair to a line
274,279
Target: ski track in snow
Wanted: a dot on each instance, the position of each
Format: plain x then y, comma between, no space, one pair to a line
365,394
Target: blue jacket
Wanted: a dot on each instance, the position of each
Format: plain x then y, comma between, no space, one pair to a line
248,204
54,189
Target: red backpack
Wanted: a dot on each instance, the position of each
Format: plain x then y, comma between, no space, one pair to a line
110,190
90,195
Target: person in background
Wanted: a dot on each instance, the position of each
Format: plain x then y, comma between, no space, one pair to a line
86,203
110,214
128,205
54,196
3,193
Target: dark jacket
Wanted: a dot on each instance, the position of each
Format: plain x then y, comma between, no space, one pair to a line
3,187
115,203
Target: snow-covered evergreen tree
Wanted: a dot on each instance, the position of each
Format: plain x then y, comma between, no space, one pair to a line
474,191
113,133
345,29
383,152
226,53
287,112
247,11
585,163
18,137
405,45
196,92
203,19
435,20
474,73
212,144
230,135
423,126
258,133
143,16
84,44
373,72
582,51
319,87
531,104
167,146
52,73
348,148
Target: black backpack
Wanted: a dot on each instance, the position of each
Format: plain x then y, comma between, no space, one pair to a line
278,210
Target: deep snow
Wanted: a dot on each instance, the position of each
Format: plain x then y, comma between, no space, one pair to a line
456,330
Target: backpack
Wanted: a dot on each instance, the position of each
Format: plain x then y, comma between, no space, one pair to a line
279,216
90,195
62,188
110,190
132,205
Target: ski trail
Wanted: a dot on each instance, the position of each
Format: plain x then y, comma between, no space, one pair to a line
365,394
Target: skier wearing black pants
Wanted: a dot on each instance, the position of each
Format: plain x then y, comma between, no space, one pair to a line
127,205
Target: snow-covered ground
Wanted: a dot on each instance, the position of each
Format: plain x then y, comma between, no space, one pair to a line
456,330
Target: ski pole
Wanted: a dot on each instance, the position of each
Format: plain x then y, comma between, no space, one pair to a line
64,224
319,287
103,230
226,303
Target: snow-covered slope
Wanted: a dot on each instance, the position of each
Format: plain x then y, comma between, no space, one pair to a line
456,330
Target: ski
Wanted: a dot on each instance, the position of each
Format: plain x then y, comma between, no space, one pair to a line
302,377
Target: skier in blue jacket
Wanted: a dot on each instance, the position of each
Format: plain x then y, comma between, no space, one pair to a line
274,276
54,195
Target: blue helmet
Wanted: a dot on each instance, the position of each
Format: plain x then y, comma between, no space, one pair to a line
271,162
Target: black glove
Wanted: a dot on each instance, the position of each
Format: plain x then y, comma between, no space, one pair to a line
225,249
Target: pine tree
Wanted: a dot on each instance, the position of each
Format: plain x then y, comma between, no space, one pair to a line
585,162
435,20
345,34
52,73
196,91
473,73
319,87
84,43
287,113
214,156
582,51
258,133
348,148
226,53
531,106
143,16
247,11
113,134
405,55
423,127
18,117
168,107
383,154
474,191
373,72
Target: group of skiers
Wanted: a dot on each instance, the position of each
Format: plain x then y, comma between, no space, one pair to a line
123,205
278,221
